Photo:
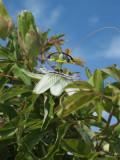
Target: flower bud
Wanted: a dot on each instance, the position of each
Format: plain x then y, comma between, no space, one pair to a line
61,57
28,36
25,22
6,23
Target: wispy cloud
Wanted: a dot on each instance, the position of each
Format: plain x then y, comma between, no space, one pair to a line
44,14
79,52
108,51
93,20
113,50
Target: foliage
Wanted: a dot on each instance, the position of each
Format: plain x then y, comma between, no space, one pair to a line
48,127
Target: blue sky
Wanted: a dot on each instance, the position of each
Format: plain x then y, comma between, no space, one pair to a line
77,19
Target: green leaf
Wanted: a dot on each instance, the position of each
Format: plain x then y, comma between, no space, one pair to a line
13,92
20,156
32,125
44,35
95,123
78,61
107,107
4,141
113,71
10,128
19,74
114,145
91,81
6,71
59,49
28,108
62,129
115,89
87,134
76,147
98,81
32,75
80,84
99,107
106,158
74,103
32,138
48,111
8,110
3,52
88,73
117,131
57,36
27,155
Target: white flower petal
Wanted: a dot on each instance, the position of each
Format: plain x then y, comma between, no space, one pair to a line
71,91
64,82
45,83
58,87
32,75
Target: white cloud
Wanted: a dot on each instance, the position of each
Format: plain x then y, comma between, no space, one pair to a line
79,52
109,51
93,20
43,13
113,51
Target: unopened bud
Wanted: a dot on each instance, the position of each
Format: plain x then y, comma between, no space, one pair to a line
6,23
28,36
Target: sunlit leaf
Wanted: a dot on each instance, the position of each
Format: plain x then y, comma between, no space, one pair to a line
57,36
98,81
32,75
14,91
19,74
113,71
77,147
81,85
78,61
44,35
99,108
74,103
88,73
88,135
59,49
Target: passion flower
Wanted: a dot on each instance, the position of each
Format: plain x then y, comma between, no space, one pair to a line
53,80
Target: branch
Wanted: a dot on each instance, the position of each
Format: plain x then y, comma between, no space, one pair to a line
107,125
11,77
115,125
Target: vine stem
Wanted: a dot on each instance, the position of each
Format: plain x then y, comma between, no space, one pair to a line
46,61
107,125
115,125
93,33
11,77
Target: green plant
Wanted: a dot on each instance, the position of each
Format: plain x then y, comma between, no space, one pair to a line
39,124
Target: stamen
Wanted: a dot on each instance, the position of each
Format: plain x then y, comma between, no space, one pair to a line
43,70
68,56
